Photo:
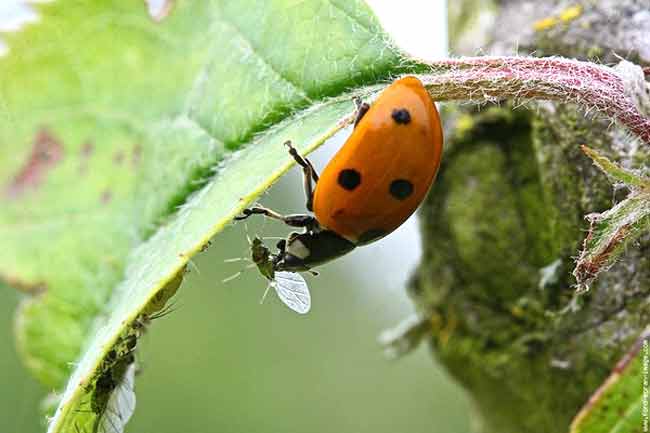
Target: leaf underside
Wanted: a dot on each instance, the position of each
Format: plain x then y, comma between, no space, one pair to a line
127,144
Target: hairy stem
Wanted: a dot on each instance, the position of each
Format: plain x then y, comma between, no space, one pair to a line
592,86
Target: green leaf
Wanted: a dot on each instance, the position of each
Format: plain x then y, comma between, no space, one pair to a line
618,405
611,231
162,258
107,129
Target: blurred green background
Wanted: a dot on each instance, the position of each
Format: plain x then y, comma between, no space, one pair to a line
221,362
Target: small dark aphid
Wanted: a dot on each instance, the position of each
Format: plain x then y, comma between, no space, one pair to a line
262,258
290,287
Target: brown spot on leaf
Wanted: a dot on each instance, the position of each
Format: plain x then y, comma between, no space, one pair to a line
118,157
47,151
106,197
136,154
32,288
87,149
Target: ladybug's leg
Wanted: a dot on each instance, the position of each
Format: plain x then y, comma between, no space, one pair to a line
362,109
296,220
258,210
308,172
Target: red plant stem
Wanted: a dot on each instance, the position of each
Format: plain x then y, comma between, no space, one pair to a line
492,78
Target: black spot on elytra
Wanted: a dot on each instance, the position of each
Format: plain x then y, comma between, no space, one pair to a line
371,235
401,116
349,179
401,189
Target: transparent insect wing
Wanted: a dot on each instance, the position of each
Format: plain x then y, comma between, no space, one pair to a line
120,405
293,291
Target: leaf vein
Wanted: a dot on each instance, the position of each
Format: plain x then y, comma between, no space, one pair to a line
350,16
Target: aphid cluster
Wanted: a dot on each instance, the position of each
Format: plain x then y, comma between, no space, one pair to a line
112,398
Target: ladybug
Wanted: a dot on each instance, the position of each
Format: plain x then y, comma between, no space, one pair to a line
369,188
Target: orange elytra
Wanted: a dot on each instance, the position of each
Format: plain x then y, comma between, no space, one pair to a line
385,169
370,187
